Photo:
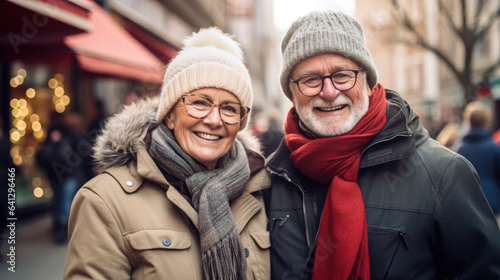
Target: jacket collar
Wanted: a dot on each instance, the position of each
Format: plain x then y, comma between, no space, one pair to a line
476,135
400,136
279,163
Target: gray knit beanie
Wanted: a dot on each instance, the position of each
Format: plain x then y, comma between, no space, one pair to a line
324,32
210,58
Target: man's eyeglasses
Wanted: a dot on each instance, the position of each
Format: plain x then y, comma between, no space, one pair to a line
312,85
198,106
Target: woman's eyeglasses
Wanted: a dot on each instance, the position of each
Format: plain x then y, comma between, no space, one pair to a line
198,106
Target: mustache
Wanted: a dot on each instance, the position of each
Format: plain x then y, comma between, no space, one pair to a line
339,100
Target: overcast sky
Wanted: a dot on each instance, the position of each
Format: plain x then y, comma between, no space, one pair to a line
286,11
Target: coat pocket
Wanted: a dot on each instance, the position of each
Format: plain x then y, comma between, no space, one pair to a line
258,256
384,245
261,238
164,254
160,239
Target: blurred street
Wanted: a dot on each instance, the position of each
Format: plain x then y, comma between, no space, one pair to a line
37,257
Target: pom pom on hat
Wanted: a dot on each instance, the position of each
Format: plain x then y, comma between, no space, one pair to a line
213,36
209,58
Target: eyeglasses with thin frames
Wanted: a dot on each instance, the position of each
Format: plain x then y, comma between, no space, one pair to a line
342,80
199,107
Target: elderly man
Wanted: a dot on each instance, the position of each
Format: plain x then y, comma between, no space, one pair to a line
359,189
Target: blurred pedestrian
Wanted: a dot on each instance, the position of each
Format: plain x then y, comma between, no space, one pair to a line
450,135
359,189
97,116
496,136
180,195
84,148
65,169
453,132
480,149
273,133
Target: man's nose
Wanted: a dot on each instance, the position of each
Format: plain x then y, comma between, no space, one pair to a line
329,92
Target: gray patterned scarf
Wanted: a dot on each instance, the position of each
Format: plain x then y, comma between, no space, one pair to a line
222,252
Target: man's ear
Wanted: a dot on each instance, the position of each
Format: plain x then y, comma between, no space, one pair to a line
291,93
169,121
368,90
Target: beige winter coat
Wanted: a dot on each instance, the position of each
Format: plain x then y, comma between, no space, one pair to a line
130,223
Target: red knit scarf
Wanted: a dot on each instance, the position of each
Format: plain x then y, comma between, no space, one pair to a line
342,248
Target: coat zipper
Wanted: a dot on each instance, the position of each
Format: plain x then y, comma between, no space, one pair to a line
309,245
286,177
306,219
282,220
402,233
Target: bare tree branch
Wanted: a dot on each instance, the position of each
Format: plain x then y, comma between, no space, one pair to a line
477,16
487,26
421,41
464,15
467,33
448,17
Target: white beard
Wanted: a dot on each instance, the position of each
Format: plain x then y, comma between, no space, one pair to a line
326,126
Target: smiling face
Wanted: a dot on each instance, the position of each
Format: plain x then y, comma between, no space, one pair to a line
332,112
208,139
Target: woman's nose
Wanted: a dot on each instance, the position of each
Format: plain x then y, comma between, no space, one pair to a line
213,118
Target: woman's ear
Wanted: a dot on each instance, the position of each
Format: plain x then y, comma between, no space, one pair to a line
169,121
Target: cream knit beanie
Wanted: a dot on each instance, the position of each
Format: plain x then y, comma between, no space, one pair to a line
210,58
324,32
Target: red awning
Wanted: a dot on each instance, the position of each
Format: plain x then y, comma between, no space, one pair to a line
109,49
39,23
163,51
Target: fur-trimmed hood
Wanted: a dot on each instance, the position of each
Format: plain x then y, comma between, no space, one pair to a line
129,130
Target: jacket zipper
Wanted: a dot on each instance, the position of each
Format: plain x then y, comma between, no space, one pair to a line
306,219
402,233
286,177
282,220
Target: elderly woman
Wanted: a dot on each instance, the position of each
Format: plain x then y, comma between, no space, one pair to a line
180,194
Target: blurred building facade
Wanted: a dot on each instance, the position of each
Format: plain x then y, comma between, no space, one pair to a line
251,21
418,75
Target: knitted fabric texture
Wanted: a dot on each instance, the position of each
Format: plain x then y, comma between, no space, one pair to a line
324,32
210,58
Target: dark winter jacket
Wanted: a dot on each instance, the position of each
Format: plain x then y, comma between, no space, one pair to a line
427,216
478,147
